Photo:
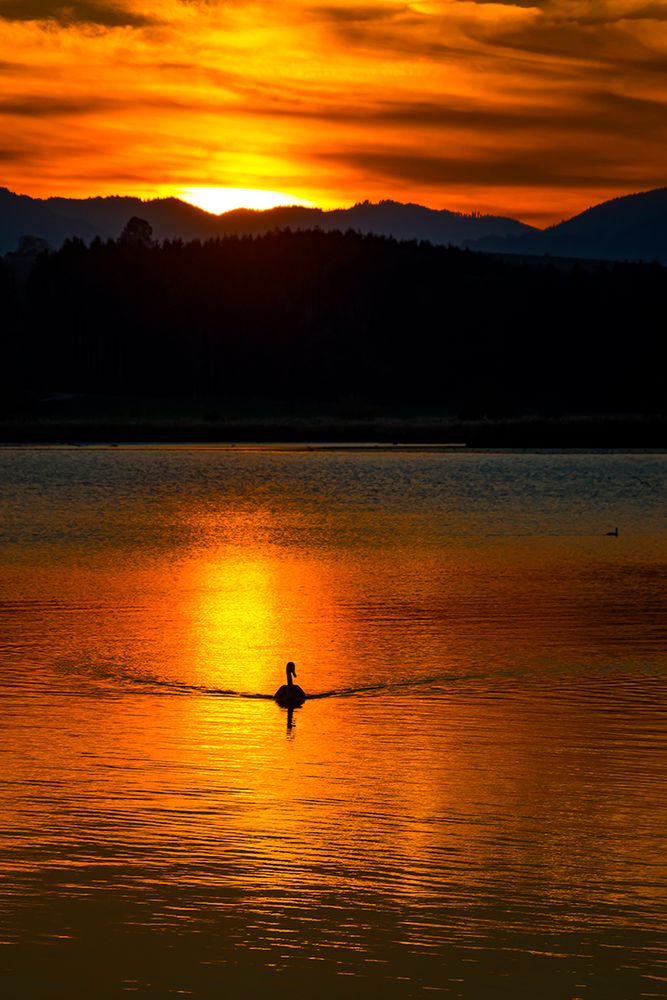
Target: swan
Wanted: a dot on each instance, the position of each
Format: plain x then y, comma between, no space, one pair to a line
290,694
612,534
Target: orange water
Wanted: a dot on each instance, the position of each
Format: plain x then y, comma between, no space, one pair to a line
472,805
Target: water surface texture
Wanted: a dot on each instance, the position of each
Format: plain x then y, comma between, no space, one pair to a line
470,803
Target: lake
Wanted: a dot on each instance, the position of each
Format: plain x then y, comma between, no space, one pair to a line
470,803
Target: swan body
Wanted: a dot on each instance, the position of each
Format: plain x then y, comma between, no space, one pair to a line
290,695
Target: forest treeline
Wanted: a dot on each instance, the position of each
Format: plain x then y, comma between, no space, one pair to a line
315,318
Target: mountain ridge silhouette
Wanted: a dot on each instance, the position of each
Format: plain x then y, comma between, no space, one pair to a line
57,219
629,227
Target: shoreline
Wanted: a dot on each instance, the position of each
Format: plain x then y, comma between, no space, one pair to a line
632,431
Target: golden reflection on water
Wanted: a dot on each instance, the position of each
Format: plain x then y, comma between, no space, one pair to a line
477,800
250,612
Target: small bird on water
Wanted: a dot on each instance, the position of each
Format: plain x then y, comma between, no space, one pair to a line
290,695
612,534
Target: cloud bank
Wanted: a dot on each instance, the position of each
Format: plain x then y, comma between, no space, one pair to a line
110,15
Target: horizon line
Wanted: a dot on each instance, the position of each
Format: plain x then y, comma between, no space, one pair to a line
311,206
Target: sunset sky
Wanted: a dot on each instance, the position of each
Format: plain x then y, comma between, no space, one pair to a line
532,110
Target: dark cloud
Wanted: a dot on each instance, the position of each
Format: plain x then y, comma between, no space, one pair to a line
108,15
603,111
46,107
11,155
608,14
599,112
652,12
592,33
534,168
402,34
376,12
589,49
11,68
593,13
25,71
593,113
514,3
596,36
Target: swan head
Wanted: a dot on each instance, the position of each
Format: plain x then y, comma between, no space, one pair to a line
291,671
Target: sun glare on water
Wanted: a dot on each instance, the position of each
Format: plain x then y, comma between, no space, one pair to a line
219,200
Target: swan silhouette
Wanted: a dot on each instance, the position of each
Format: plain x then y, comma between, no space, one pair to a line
290,694
612,534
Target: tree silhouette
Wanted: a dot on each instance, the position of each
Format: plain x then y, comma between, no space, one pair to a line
137,232
337,321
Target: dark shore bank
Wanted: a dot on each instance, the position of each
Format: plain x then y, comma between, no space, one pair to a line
530,432
320,337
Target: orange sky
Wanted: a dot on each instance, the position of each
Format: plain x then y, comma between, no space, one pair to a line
533,111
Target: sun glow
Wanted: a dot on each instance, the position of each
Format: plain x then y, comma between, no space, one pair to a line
219,200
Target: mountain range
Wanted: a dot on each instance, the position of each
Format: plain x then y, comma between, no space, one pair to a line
633,227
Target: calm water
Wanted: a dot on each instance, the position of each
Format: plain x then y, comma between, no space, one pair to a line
474,803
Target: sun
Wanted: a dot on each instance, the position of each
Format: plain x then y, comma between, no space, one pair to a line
218,200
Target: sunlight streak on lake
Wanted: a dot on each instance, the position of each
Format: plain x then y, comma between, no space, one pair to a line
472,795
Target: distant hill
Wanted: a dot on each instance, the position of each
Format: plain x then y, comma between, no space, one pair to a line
632,228
56,219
